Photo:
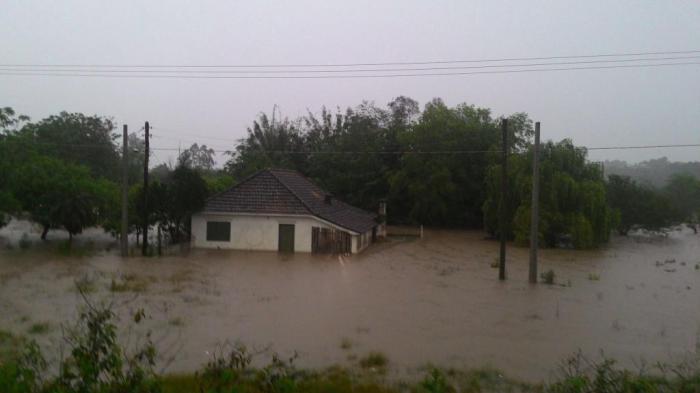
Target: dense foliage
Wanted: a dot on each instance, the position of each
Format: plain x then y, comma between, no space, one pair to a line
573,208
430,165
64,172
438,166
643,206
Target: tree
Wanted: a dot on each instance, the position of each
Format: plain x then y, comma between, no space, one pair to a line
188,192
268,144
61,195
638,205
573,200
9,120
683,192
198,157
11,154
446,188
78,139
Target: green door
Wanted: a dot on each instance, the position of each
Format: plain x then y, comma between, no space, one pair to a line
286,238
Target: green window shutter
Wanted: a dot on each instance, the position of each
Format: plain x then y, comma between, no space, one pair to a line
218,231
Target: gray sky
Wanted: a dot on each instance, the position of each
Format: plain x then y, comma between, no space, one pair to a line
594,107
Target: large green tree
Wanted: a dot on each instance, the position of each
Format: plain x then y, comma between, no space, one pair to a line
78,139
13,151
572,197
62,195
638,205
683,192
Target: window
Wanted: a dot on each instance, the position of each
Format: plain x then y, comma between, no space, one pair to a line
218,231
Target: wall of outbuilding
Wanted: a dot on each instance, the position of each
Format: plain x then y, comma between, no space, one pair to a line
255,232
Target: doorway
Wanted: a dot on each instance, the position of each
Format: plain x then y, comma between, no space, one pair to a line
286,238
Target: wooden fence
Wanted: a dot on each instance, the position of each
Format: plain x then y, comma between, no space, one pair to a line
330,241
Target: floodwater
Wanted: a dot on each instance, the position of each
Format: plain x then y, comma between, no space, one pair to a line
435,299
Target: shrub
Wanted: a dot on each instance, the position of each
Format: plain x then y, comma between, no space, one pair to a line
435,382
374,360
548,277
85,284
39,328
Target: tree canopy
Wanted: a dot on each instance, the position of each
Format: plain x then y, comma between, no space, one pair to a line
436,165
573,206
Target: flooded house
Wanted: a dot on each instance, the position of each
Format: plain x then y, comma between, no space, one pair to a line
282,210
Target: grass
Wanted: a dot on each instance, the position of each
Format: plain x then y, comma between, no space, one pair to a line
11,345
39,328
374,360
593,276
343,380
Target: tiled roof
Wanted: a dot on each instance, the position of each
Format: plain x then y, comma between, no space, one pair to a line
282,191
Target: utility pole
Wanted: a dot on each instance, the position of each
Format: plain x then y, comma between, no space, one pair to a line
144,243
125,194
502,208
535,208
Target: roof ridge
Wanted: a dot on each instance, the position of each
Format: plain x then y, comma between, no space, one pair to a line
306,205
247,179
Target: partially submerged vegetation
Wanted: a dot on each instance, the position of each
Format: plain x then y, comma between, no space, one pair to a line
97,362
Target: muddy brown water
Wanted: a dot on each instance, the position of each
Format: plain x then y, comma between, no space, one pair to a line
435,299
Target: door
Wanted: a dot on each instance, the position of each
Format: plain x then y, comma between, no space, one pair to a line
286,238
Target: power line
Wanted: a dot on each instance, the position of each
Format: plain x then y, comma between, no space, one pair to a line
171,71
396,63
310,152
641,147
178,133
32,73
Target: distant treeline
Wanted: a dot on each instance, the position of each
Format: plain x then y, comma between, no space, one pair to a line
655,172
437,166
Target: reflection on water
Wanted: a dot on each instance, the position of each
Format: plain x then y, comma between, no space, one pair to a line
432,300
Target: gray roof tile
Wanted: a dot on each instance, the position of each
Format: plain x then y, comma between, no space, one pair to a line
283,191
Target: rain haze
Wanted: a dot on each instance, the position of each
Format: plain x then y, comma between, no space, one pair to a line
356,196
601,107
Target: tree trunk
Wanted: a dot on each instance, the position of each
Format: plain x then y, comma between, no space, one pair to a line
44,232
160,252
70,240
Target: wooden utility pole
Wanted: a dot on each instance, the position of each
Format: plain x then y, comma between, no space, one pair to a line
504,201
535,208
125,193
144,243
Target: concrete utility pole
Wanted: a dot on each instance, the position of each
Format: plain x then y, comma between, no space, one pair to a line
144,244
504,200
535,208
125,194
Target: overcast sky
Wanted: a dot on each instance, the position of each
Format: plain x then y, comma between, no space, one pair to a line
593,107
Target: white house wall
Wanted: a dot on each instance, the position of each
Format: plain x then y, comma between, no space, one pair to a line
357,245
253,232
